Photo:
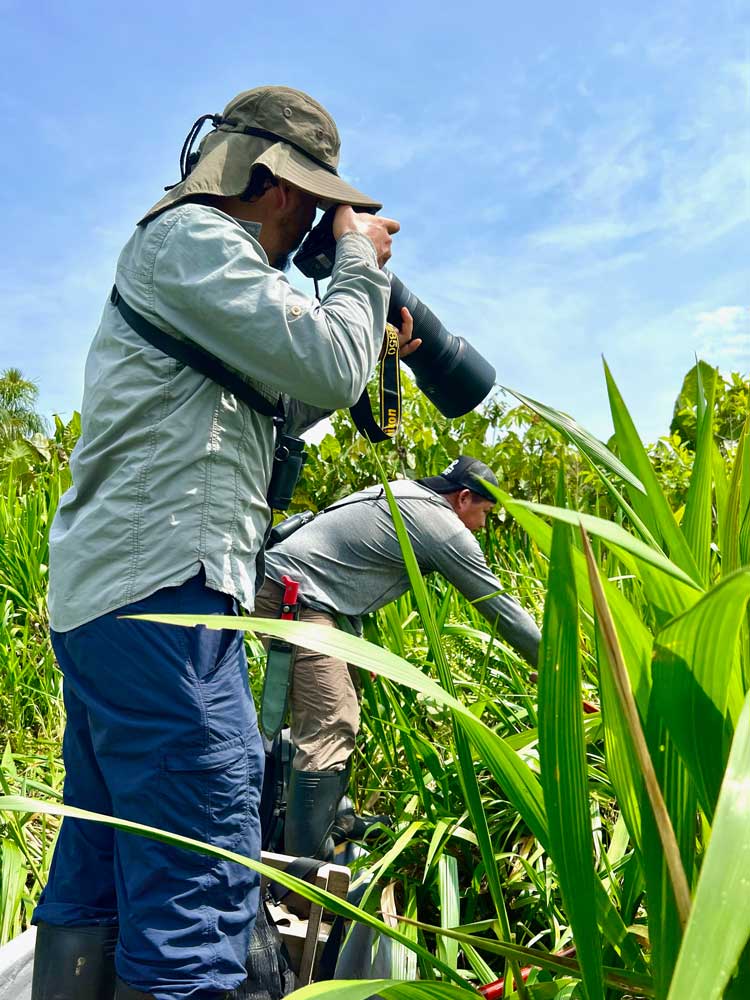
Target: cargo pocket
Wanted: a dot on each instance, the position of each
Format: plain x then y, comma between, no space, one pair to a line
203,794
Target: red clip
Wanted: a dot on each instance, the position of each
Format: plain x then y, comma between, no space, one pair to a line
289,600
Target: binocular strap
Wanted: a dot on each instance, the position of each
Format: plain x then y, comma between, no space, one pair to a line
389,389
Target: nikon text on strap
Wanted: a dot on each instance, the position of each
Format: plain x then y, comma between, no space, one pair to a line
389,386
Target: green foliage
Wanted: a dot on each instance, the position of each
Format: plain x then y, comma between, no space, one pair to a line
18,418
732,404
523,825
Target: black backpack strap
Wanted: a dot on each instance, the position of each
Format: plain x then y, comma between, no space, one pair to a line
331,949
301,868
198,359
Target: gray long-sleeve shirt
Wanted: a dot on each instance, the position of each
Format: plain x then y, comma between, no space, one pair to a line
348,559
171,471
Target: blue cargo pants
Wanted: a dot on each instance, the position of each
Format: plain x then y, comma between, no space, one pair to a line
161,729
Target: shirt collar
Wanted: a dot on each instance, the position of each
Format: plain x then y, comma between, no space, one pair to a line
252,228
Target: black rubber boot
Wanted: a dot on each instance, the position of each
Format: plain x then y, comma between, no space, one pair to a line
125,992
310,811
349,825
74,963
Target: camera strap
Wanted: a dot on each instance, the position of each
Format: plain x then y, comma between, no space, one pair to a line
201,361
284,475
389,391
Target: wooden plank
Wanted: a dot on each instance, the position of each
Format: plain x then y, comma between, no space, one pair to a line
333,878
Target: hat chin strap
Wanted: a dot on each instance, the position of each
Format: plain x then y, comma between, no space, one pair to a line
263,133
188,158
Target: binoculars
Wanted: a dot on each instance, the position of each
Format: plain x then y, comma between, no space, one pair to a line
447,369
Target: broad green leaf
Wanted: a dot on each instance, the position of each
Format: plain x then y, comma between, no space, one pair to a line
621,763
719,925
403,961
653,509
341,907
620,540
589,445
613,661
634,636
666,923
13,874
563,761
389,989
697,686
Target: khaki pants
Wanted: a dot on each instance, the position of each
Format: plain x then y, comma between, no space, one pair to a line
324,695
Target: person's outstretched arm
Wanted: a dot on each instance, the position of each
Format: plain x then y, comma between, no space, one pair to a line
462,562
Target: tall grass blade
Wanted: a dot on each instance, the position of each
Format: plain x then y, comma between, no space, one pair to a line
635,637
737,504
665,924
696,522
450,907
599,457
624,980
563,761
630,712
13,874
341,907
719,925
389,989
615,536
464,760
653,509
586,443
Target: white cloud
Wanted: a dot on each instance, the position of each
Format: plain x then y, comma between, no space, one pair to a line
723,336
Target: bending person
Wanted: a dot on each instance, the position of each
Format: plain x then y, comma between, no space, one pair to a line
348,562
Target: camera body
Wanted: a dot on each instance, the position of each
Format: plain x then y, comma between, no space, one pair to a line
448,370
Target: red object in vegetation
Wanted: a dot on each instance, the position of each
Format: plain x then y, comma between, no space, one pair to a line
494,991
289,600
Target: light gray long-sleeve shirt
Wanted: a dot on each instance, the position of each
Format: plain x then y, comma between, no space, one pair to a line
348,559
171,471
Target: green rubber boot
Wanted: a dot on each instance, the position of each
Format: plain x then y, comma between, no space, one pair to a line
310,811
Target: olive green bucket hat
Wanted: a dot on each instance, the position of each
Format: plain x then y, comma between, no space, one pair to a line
285,130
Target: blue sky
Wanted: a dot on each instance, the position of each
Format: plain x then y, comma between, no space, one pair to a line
573,180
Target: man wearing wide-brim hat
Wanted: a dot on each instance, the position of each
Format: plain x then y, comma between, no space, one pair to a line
167,513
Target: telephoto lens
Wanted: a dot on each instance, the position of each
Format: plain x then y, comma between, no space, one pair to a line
449,371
